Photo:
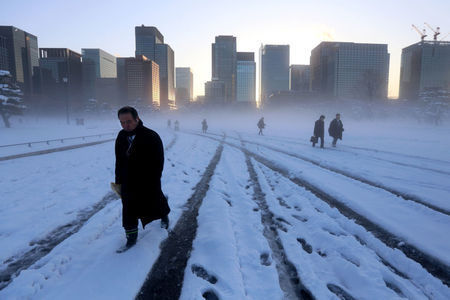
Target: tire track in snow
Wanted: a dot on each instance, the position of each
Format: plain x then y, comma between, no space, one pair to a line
336,233
165,279
172,142
42,247
290,282
428,262
439,161
404,196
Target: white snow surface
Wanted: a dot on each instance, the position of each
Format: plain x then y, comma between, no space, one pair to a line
44,192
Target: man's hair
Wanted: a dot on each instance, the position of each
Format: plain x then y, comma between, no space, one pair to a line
322,117
126,110
338,114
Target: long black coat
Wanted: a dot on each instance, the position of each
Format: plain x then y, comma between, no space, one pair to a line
336,128
319,128
138,170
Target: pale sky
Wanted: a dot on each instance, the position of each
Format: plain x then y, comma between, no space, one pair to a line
189,26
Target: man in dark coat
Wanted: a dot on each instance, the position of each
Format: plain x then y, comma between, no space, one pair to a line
319,131
204,126
139,165
261,125
336,128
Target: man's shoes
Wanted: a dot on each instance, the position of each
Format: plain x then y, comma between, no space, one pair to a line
131,237
165,222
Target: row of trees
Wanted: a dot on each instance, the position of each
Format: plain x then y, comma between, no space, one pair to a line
11,96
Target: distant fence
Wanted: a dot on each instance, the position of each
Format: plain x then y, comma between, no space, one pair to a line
29,144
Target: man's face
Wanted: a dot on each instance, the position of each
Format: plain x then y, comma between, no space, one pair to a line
128,122
338,117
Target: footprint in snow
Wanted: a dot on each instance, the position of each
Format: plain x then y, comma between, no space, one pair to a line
306,247
210,295
202,273
265,259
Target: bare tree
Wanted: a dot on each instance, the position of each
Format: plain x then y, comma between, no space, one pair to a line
434,104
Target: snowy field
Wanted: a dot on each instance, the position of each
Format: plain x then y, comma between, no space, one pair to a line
277,218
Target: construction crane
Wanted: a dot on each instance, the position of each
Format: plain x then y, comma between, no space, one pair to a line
422,33
443,37
436,31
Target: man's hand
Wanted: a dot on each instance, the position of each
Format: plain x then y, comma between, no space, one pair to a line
116,188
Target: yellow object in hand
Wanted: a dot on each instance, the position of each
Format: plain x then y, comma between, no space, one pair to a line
116,188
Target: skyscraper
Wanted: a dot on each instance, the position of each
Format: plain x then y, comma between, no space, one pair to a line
122,79
164,57
274,71
424,66
3,54
104,63
147,37
299,78
142,81
61,76
96,64
215,91
224,64
350,70
184,86
150,43
20,48
245,78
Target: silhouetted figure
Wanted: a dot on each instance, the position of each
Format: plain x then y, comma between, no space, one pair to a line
336,128
319,131
261,125
169,123
177,125
139,165
204,126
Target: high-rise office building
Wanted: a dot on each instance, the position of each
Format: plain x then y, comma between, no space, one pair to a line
150,43
122,79
104,64
350,70
184,86
96,65
274,70
164,57
424,66
224,64
20,48
215,91
299,78
3,54
246,78
142,81
147,37
61,75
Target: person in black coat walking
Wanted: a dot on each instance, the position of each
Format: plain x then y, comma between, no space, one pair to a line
261,125
204,126
336,128
319,131
139,165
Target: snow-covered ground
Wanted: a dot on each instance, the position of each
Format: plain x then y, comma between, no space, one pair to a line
368,219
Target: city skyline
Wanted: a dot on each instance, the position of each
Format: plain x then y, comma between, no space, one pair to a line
301,25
